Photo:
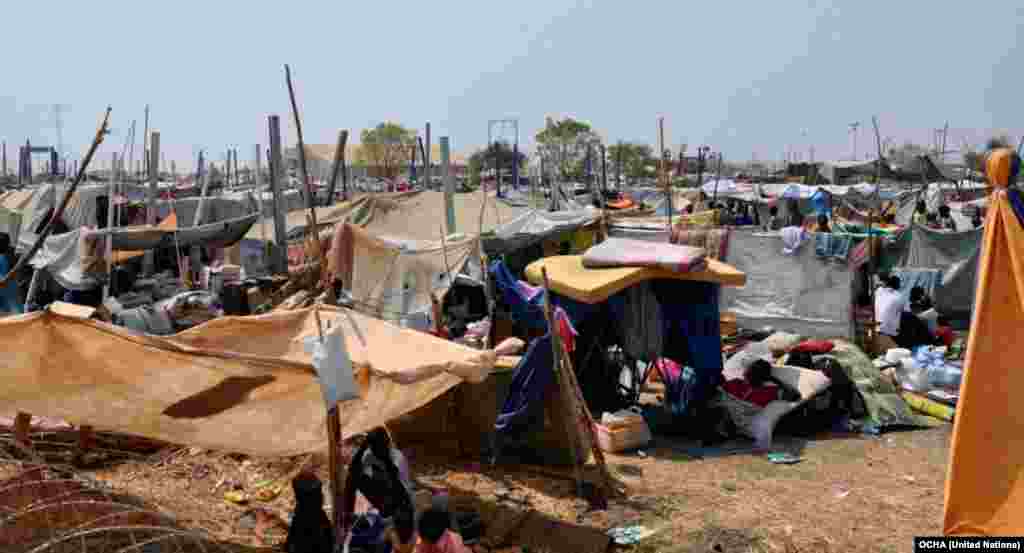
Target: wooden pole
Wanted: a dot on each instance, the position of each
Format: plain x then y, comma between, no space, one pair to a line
145,144
276,163
426,159
108,243
661,171
872,268
59,212
154,165
302,149
556,363
5,158
338,165
449,184
257,178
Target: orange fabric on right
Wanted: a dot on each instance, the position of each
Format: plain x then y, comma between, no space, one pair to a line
984,489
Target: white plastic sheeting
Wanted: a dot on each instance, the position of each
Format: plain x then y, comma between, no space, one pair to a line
801,294
536,225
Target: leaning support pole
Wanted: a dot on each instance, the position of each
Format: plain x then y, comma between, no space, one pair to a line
307,186
339,165
59,212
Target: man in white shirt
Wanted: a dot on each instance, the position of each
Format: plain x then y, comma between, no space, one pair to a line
889,307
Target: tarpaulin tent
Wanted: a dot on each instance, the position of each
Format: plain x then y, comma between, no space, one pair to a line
240,384
534,226
799,293
984,485
957,254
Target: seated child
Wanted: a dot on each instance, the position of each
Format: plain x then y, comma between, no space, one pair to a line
436,535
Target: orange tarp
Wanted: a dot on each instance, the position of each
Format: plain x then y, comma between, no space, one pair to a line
241,384
170,223
984,489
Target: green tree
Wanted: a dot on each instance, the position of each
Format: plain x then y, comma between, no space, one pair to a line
565,143
386,147
635,158
484,157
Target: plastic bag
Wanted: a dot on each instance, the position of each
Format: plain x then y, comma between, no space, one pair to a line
333,367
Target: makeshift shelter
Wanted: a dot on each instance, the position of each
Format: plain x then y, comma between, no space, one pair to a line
535,226
241,384
838,171
807,292
984,489
642,310
956,255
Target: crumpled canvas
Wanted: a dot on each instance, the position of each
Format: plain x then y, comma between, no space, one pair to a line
240,384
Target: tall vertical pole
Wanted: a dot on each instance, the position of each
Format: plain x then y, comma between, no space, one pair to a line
154,165
5,158
449,184
276,162
426,159
664,179
146,145
108,243
258,177
338,165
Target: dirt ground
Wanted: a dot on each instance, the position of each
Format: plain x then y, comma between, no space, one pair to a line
849,493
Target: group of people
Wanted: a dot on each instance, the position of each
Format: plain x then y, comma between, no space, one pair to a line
904,322
942,219
380,472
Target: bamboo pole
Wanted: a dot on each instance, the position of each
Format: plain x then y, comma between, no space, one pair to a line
59,212
872,266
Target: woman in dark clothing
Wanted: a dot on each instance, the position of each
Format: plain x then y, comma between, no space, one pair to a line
376,473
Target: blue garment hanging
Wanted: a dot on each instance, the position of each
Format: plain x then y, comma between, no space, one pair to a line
533,375
693,337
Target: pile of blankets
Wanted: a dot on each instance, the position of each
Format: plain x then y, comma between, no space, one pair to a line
625,252
715,242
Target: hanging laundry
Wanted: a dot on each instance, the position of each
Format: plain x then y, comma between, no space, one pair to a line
828,245
792,239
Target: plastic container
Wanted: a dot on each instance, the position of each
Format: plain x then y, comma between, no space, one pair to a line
895,355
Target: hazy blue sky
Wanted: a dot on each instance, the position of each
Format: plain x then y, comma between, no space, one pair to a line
745,76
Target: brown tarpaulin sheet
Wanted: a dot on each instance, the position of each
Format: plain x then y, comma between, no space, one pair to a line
984,490
241,384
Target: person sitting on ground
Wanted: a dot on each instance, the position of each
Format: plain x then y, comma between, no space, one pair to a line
919,300
889,305
921,213
436,535
773,223
932,221
823,224
725,217
758,386
9,302
944,332
381,473
946,221
743,218
976,219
